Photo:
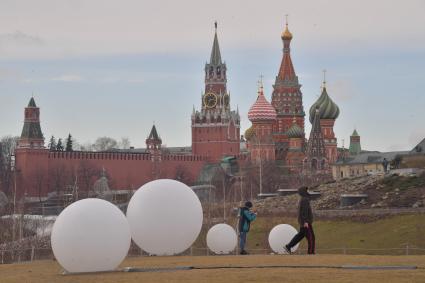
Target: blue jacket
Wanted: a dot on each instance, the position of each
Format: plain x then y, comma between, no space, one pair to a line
245,219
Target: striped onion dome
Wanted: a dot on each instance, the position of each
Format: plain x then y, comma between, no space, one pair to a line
295,131
327,108
249,133
261,110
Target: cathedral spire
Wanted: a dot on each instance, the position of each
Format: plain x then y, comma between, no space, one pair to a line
316,145
286,71
286,34
287,95
215,58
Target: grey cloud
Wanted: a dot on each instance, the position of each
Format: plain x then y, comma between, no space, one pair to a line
20,39
68,78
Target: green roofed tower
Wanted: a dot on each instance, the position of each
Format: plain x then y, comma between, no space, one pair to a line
31,136
355,147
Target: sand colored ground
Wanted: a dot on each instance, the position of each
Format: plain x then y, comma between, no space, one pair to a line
50,271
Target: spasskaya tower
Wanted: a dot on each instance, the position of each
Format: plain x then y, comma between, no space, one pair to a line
215,128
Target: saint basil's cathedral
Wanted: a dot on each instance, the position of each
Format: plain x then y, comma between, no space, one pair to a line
277,135
277,131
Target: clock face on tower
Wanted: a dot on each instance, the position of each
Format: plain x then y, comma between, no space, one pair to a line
210,100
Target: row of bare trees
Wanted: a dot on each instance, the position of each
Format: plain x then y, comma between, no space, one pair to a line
100,144
247,183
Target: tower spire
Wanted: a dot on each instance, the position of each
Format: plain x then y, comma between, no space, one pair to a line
286,34
215,58
324,78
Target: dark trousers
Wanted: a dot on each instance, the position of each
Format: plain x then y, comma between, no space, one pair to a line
309,234
242,240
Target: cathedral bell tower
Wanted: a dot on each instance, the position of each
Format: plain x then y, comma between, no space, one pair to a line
215,129
287,96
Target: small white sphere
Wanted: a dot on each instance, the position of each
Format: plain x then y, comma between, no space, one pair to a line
280,236
90,235
222,239
165,217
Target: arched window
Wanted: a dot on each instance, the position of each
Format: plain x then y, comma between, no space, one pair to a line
314,164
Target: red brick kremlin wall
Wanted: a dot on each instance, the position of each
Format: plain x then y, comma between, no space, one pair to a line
39,169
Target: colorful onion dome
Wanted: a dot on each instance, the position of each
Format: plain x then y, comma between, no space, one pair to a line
327,108
249,133
295,131
261,110
286,34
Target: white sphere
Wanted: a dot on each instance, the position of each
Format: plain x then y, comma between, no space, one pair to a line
90,235
165,217
280,236
222,239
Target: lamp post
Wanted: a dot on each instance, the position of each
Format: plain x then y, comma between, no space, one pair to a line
13,169
261,167
224,195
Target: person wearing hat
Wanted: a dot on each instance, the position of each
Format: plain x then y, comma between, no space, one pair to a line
305,219
246,216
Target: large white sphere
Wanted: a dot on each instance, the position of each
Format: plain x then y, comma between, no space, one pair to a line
280,236
90,235
222,239
165,217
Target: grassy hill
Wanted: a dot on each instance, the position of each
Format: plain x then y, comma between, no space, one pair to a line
389,235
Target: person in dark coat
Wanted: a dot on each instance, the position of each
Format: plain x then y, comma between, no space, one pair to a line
305,220
246,216
385,165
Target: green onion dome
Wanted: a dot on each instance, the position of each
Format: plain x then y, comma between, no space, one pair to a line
327,108
295,131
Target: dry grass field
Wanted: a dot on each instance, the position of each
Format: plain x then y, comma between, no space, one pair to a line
50,271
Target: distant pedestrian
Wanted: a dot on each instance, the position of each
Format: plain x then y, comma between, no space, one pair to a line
385,165
246,216
305,219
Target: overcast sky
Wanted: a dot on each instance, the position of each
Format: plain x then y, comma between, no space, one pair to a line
114,67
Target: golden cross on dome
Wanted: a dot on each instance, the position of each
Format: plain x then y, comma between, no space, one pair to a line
260,84
324,78
286,16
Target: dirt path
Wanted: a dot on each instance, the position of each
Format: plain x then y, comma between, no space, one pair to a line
50,271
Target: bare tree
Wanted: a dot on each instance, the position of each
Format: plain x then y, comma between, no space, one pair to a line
57,178
124,143
87,174
39,182
104,144
7,146
183,175
87,146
